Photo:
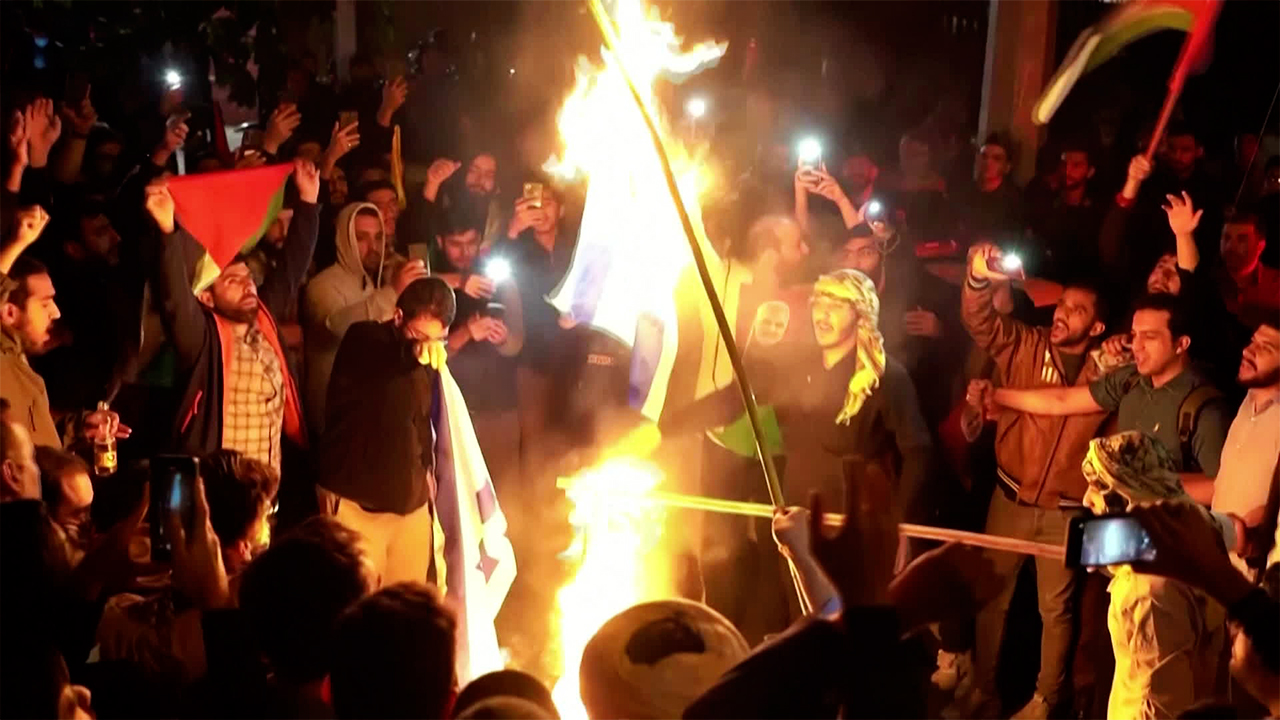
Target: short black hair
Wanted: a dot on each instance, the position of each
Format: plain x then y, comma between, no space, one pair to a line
54,463
1179,317
461,218
293,594
394,655
369,186
1182,129
1243,216
1077,145
430,295
24,268
1095,287
1001,140
238,489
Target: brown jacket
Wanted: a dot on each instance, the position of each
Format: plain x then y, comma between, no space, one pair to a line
1038,456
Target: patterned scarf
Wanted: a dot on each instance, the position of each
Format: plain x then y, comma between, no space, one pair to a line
858,290
1128,468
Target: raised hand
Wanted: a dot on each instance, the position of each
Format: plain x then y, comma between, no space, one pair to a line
478,286
175,134
523,218
1117,345
1139,171
984,262
30,221
479,326
498,332
394,93
307,178
859,559
341,141
284,120
1183,217
160,205
43,128
198,571
19,136
441,169
81,117
922,323
408,272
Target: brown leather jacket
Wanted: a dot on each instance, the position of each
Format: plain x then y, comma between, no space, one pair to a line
1038,456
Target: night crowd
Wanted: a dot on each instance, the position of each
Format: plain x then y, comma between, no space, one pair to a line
932,346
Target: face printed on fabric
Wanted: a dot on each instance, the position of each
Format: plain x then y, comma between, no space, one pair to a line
1155,349
482,175
1075,169
1260,363
370,241
772,319
1164,276
1241,247
32,321
388,206
100,238
1102,497
834,320
863,254
460,249
1181,152
1074,318
233,294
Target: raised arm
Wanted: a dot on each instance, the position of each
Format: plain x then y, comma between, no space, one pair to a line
998,334
281,286
181,313
1183,221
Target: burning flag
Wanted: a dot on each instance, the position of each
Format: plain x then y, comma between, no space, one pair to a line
632,246
1126,24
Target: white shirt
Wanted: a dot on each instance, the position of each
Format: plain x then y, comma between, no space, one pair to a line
1249,458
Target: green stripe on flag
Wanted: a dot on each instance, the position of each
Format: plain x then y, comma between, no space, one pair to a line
277,202
1145,21
737,438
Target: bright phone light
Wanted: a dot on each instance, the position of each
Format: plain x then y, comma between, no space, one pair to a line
498,270
809,149
173,79
1010,262
874,208
696,107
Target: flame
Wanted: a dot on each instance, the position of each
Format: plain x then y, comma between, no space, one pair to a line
629,214
617,540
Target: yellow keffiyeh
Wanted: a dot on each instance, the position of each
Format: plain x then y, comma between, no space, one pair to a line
857,289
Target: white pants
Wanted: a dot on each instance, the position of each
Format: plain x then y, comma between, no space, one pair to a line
397,547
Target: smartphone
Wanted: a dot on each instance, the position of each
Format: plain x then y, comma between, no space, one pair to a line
532,192
347,118
1107,540
173,482
496,310
252,138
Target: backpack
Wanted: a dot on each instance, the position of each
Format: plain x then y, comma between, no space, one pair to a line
1188,416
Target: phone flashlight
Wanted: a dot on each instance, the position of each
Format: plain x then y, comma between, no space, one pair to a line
498,269
810,151
696,107
173,79
1010,262
874,210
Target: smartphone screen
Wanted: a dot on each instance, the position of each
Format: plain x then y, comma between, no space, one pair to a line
496,310
1108,540
347,118
173,479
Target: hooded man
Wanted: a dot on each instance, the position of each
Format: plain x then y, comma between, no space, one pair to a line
357,287
1168,637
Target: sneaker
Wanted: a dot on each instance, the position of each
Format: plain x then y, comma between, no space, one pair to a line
1036,709
947,676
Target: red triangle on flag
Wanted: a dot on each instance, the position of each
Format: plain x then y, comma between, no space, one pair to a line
229,210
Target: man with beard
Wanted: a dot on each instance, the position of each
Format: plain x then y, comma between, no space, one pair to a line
475,196
377,457
360,286
1247,475
239,393
858,174
1039,487
991,205
1067,224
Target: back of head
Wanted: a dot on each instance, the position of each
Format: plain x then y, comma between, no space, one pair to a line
505,708
54,464
293,594
504,684
653,659
394,655
430,295
239,489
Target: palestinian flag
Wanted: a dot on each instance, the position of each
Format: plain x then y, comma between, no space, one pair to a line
1130,22
737,437
227,212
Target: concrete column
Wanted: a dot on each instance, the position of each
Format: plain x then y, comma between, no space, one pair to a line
1020,55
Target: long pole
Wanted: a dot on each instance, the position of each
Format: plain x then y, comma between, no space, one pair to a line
607,29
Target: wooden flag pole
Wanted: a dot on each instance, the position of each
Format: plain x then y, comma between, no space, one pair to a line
605,24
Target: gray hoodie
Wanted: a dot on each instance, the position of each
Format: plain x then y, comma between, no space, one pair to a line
342,294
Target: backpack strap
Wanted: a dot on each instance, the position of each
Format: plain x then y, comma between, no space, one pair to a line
1189,415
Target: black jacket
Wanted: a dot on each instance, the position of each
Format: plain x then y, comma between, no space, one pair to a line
378,447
